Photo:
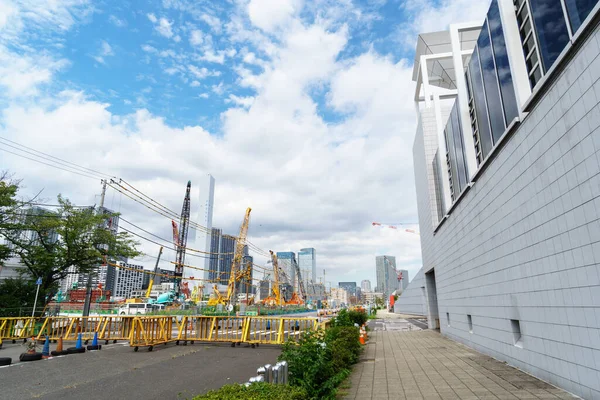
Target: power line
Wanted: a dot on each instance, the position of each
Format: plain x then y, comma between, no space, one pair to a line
60,160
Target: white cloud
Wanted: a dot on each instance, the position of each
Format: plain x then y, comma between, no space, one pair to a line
164,28
120,23
203,95
271,14
218,89
196,37
7,9
106,49
213,22
195,84
177,39
152,18
148,49
203,72
240,101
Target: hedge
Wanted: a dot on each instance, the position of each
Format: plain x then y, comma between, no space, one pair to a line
256,391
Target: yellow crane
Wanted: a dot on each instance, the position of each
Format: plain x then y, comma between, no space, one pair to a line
275,299
234,274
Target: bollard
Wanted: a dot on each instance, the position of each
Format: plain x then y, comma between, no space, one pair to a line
261,371
259,378
268,373
283,372
276,376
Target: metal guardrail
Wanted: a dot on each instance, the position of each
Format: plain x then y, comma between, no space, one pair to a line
14,328
148,331
68,328
276,374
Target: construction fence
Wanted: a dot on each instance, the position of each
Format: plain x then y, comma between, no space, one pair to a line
148,331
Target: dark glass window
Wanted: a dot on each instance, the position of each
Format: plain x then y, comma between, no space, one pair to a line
459,148
490,82
450,148
578,11
551,28
485,136
507,89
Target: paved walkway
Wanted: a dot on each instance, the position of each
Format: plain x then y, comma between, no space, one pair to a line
425,365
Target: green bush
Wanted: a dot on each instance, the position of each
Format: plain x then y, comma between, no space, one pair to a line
344,345
256,391
358,317
342,319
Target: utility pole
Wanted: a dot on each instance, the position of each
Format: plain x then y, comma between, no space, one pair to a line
88,286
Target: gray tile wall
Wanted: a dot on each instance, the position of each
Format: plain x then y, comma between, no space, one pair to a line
524,243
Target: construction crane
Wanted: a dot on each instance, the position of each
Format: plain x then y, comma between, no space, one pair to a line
395,226
235,274
298,299
151,283
182,240
275,298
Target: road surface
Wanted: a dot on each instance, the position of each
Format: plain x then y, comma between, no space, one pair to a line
116,372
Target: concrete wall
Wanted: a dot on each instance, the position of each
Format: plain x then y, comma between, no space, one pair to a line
524,243
412,299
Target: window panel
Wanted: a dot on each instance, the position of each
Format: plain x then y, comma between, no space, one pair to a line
578,11
485,136
451,160
459,148
490,82
551,28
502,66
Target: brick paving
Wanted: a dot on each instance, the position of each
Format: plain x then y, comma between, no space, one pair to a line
425,365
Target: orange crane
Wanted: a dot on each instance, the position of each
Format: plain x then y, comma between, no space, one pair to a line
275,298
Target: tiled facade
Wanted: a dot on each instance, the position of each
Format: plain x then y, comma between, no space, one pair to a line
515,264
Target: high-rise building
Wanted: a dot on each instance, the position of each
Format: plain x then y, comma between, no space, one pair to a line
128,280
507,167
263,290
316,292
365,285
201,239
403,278
338,296
387,278
285,260
307,261
350,287
222,248
245,284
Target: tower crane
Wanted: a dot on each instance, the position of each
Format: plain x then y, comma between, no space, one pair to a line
275,298
298,299
182,240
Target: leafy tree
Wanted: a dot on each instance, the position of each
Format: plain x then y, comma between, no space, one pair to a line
49,243
8,205
16,297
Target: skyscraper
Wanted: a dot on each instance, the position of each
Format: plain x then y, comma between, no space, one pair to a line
365,285
403,283
307,261
387,279
285,260
203,239
222,248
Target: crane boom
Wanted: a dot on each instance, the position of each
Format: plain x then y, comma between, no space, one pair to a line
182,242
300,282
151,283
276,290
237,257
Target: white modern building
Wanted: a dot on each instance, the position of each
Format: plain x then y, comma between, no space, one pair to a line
507,174
365,285
204,216
127,280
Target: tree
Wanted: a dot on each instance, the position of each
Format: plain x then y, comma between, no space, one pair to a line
8,205
16,297
49,243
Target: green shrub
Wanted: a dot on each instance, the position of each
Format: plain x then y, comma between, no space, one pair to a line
344,345
342,319
256,391
358,317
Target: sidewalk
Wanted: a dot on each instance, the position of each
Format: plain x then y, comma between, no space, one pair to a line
425,365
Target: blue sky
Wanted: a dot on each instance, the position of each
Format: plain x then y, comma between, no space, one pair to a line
300,109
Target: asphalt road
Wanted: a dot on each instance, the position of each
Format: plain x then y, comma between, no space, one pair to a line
116,372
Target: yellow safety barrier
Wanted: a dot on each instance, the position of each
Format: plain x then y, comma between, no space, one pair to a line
272,330
150,331
17,327
68,328
211,329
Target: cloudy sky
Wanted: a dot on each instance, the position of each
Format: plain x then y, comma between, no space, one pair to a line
300,109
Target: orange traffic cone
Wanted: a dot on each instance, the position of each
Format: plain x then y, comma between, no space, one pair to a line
59,346
361,338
